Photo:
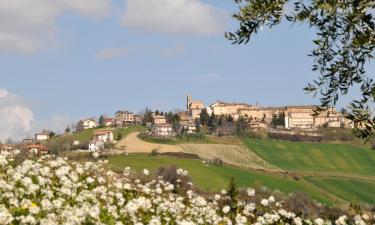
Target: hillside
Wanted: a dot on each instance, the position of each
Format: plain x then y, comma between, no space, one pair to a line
315,157
214,178
345,171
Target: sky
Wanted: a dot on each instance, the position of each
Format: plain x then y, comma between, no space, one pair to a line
65,60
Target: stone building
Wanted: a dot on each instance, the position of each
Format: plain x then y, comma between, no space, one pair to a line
123,118
223,108
194,107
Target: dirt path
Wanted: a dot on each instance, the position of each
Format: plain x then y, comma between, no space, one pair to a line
133,144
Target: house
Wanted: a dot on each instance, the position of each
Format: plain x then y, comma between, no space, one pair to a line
7,149
41,137
96,145
36,149
108,122
187,127
123,118
158,119
103,135
162,129
86,124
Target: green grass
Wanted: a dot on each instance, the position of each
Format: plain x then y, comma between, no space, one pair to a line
347,189
315,156
215,178
86,135
126,131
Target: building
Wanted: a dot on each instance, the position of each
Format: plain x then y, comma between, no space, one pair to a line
265,114
7,149
162,129
41,137
184,116
194,107
123,118
103,135
108,122
307,117
223,108
96,145
86,124
158,119
28,141
187,127
36,149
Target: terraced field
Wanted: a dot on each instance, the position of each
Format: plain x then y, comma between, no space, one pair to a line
237,155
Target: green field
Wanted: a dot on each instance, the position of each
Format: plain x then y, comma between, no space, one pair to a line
296,156
347,189
215,178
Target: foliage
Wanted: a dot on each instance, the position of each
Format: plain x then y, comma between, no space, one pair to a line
204,117
55,191
101,121
344,46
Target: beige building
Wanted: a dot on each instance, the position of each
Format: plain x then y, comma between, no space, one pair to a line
162,129
260,113
123,118
304,117
223,108
158,119
194,107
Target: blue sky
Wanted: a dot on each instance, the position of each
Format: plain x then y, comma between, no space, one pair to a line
87,62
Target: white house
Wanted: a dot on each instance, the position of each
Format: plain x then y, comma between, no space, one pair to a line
86,124
41,137
96,145
103,135
162,129
187,127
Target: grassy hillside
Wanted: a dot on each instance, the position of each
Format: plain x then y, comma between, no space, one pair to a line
215,178
315,156
347,189
86,135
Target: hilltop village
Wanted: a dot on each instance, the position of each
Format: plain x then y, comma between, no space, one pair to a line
220,119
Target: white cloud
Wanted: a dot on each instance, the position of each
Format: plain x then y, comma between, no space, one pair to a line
15,116
28,25
56,123
110,53
176,50
174,16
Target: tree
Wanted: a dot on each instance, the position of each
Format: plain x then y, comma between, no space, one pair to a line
101,121
212,122
67,129
204,117
147,117
230,118
51,134
344,46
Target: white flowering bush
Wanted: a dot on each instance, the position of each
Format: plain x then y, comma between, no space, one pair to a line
54,191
